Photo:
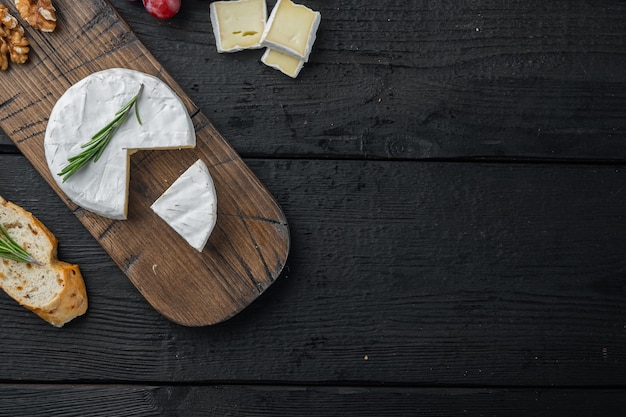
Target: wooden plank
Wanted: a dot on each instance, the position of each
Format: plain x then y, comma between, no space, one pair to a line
249,400
249,245
5,142
412,80
415,80
400,273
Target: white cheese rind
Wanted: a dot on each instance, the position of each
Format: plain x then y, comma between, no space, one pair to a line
189,205
238,25
285,63
86,107
291,29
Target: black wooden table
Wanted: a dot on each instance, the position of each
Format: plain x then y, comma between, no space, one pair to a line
454,176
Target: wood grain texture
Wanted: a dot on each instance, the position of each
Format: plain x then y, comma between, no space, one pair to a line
312,401
429,274
401,79
453,176
414,80
250,243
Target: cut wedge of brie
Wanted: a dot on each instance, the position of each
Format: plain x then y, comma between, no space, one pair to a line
238,24
285,63
189,205
291,29
86,107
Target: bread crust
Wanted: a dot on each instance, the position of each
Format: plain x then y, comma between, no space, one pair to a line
71,301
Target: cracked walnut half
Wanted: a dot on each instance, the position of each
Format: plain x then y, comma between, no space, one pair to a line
13,42
40,14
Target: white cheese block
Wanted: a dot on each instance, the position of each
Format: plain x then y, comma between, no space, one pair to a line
86,107
189,205
285,63
291,29
238,25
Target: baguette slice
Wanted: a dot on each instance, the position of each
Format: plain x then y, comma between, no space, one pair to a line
55,291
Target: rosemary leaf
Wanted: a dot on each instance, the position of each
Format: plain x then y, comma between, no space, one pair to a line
93,149
10,249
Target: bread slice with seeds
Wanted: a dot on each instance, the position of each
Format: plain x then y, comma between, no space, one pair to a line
54,290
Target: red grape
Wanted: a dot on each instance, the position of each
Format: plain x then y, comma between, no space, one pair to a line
162,9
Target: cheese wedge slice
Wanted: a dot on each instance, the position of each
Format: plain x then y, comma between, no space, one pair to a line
86,107
285,63
291,29
189,205
238,25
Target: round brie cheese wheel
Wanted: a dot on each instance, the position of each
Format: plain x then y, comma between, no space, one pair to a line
88,106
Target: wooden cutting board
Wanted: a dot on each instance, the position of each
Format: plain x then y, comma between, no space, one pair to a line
249,245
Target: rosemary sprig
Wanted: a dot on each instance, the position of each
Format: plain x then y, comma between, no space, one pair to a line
94,148
10,249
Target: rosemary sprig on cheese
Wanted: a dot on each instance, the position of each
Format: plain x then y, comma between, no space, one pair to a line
94,148
10,249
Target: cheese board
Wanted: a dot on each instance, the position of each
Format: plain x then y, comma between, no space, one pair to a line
250,242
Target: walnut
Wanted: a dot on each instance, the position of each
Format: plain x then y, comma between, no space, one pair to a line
19,46
13,42
4,55
40,14
7,21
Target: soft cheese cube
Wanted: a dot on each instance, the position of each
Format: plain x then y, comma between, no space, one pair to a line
238,25
291,29
285,63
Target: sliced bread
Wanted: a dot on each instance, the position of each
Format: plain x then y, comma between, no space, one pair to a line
54,290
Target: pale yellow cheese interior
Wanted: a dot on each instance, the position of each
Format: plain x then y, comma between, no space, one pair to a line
285,63
240,23
291,26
